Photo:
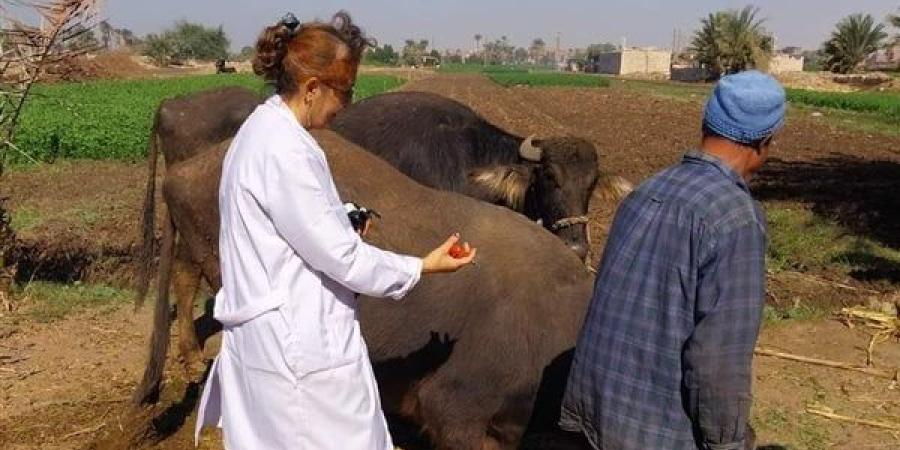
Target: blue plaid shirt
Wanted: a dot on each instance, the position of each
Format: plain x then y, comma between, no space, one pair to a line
664,357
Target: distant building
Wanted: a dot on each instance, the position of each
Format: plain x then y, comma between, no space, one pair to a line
688,72
631,61
693,70
785,63
885,59
574,65
429,61
792,51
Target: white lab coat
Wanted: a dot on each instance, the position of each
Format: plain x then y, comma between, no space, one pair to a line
293,371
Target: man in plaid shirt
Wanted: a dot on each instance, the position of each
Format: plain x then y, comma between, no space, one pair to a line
664,357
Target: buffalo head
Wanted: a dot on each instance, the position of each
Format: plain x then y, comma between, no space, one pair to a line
551,184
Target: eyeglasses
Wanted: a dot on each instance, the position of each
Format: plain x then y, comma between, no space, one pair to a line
345,96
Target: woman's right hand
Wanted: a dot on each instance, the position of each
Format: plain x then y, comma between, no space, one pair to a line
440,261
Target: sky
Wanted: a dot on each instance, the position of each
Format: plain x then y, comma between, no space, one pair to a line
452,24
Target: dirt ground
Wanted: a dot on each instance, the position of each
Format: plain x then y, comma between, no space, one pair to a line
65,384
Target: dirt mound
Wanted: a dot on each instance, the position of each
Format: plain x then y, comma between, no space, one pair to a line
815,81
829,82
106,65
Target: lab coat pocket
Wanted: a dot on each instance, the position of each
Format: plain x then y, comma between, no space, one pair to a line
292,349
306,344
341,325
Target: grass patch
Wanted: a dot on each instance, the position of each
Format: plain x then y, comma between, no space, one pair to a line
799,311
882,104
870,112
83,214
799,240
48,302
773,420
492,68
794,431
24,219
865,122
88,217
812,435
112,119
369,85
540,79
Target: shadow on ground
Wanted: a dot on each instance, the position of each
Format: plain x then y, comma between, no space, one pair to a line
861,195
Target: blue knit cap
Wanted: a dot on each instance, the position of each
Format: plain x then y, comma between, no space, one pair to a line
745,107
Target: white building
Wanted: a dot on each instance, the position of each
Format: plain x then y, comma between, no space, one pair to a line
785,63
632,61
885,59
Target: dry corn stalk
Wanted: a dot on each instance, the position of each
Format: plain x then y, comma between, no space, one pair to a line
884,325
881,373
824,411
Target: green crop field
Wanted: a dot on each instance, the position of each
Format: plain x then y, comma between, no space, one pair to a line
477,67
886,105
548,79
112,119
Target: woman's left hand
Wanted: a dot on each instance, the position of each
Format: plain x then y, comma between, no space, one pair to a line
441,261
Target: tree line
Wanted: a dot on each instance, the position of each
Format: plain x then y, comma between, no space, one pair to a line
725,42
499,51
185,41
734,40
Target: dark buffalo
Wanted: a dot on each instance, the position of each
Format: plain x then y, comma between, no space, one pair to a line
436,141
182,126
464,355
443,144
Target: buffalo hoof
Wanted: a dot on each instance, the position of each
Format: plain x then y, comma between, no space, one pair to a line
192,363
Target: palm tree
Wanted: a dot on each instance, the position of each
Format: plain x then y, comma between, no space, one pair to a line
732,41
706,43
894,19
477,42
855,37
106,31
537,49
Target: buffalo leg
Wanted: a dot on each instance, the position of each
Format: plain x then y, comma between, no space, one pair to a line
465,414
186,280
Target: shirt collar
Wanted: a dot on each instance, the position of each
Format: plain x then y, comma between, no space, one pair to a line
280,107
703,158
278,104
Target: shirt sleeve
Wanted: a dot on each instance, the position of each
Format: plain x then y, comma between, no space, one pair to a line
719,354
316,227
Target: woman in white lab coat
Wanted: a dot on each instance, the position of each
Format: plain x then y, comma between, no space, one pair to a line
293,371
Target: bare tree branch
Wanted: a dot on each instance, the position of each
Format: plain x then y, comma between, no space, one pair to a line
28,51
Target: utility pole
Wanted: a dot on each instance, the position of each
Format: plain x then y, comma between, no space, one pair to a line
677,42
558,48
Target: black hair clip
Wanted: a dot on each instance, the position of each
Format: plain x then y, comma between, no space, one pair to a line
290,21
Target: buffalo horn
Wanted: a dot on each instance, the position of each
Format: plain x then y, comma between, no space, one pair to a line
528,151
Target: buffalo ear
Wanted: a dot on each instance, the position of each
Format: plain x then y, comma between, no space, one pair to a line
611,188
502,185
